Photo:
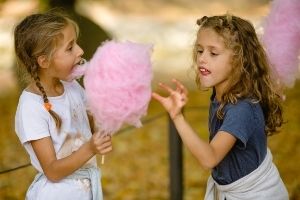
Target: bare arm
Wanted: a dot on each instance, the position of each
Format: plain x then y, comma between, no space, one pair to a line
208,154
56,169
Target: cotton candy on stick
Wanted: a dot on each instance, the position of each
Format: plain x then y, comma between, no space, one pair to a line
117,82
282,39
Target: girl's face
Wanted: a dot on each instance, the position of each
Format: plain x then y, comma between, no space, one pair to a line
213,60
66,56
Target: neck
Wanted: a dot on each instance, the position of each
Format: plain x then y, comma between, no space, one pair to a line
220,90
52,87
219,94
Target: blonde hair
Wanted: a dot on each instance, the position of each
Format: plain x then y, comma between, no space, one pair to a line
251,77
37,35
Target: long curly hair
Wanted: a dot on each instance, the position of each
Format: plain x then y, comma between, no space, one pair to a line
252,77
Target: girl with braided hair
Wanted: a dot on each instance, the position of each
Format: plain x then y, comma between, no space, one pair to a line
245,108
51,119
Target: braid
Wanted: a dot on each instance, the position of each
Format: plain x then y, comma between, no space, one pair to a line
47,105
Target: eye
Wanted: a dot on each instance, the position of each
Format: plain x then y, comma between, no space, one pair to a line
70,48
214,54
199,51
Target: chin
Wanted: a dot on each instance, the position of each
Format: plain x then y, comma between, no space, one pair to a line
205,84
66,79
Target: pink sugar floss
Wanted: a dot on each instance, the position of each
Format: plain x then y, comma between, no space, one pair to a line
282,39
117,81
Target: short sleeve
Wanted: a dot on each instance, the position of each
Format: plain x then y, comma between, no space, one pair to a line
31,121
239,121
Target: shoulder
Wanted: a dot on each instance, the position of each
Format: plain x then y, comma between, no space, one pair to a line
243,107
31,119
31,105
241,119
30,101
245,112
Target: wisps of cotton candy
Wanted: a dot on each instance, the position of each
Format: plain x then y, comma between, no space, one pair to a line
282,39
78,71
117,82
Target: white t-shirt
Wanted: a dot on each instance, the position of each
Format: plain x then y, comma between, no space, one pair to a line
33,121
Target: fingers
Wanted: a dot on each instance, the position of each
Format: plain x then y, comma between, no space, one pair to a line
104,140
180,87
157,97
106,145
106,150
97,134
102,143
166,87
160,98
177,98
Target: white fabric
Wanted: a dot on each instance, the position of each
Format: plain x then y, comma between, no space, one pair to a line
261,184
91,173
33,121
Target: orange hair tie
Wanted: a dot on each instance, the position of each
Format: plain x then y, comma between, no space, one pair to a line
48,106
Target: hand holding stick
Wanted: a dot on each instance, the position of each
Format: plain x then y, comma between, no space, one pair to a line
101,144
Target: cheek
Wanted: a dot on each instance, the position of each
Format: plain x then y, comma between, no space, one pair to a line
228,74
228,67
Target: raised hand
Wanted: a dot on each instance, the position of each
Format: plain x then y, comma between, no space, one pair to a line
175,101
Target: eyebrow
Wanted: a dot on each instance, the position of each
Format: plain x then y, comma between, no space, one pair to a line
210,46
71,42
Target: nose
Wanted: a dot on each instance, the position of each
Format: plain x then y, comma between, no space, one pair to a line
202,58
80,52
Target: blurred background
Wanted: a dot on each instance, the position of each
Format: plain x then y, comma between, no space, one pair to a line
138,168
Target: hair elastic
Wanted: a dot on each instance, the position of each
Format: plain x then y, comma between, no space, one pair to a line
47,106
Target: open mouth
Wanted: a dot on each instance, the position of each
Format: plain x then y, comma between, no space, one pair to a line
204,71
81,62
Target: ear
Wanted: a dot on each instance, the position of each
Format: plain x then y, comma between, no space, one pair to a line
43,61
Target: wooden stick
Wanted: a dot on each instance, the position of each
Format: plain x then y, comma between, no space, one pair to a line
102,159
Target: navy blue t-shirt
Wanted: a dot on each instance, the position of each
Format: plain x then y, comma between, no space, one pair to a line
245,121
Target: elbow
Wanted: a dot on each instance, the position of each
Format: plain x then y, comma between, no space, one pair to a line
208,164
52,176
208,160
53,179
52,172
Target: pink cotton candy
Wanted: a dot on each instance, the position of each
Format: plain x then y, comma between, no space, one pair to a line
282,39
78,72
118,84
